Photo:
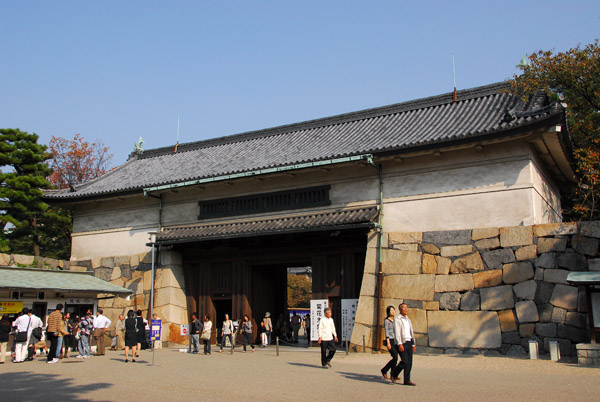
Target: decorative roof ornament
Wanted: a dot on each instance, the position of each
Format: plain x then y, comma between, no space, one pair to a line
137,147
523,63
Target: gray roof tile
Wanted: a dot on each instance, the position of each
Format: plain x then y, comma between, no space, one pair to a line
435,121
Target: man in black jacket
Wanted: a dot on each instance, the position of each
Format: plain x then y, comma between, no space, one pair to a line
195,330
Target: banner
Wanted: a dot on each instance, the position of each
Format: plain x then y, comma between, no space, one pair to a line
348,316
155,328
10,307
317,309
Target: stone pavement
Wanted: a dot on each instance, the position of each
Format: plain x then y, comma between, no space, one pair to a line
293,376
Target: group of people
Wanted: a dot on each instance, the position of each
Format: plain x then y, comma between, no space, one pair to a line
399,340
203,331
63,332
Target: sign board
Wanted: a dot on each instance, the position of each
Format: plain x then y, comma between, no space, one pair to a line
184,329
155,326
317,311
80,300
349,307
10,307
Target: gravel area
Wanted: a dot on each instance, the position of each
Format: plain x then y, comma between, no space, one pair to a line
294,375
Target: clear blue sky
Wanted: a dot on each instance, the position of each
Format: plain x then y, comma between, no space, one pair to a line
117,70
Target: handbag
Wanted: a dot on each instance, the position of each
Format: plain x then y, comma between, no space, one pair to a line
22,335
205,336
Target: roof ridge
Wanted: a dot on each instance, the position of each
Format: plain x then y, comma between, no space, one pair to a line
420,103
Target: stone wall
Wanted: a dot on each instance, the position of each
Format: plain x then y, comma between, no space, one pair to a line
483,290
134,272
29,261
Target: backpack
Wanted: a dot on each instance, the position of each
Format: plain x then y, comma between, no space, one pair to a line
37,333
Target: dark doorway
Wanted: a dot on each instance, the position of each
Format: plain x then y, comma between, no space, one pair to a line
39,309
78,309
222,307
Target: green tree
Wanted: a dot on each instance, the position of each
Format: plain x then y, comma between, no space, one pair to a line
22,178
299,289
574,78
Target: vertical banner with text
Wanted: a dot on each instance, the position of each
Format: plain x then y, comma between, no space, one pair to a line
317,308
348,316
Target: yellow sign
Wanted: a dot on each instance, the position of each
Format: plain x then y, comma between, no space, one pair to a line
11,307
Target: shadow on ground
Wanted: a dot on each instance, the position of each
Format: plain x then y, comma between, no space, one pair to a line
363,377
28,386
306,365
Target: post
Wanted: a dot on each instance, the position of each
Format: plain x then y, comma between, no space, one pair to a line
232,343
346,347
277,345
364,345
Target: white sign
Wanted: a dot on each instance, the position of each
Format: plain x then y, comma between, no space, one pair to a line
80,300
184,329
348,316
317,311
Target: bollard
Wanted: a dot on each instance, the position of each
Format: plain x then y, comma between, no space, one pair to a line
364,345
232,345
533,349
554,350
346,347
277,346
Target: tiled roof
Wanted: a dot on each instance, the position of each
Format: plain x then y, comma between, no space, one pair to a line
60,281
479,113
330,220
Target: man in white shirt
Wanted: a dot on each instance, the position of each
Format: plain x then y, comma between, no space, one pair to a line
25,323
101,324
327,336
405,338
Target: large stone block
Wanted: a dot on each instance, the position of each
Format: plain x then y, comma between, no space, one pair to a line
484,233
121,260
577,320
366,310
507,320
170,257
443,265
469,301
429,264
171,276
418,318
453,283
448,237
103,273
526,330
136,285
172,296
526,253
487,244
539,274
573,334
430,248
559,315
371,261
358,332
546,245
545,329
414,287
525,290
487,278
565,297
545,311
590,229
431,305
147,280
517,272
469,263
455,251
464,329
594,264
450,301
555,229
369,284
401,262
107,262
116,273
546,260
4,259
497,298
516,236
585,245
527,311
511,338
405,237
134,260
572,261
496,258
23,260
556,276
406,247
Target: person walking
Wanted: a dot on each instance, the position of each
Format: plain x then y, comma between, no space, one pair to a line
195,333
246,329
268,326
101,324
53,332
130,338
227,332
327,336
67,336
120,333
307,327
296,322
206,334
390,341
62,332
405,337
5,329
141,332
84,330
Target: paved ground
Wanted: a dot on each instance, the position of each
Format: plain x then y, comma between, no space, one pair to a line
294,375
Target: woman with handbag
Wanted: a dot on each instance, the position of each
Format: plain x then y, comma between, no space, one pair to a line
131,337
228,331
246,330
206,334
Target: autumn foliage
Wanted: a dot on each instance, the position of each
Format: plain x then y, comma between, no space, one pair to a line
299,290
572,77
76,161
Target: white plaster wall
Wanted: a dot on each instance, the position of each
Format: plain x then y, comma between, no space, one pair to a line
546,199
110,243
